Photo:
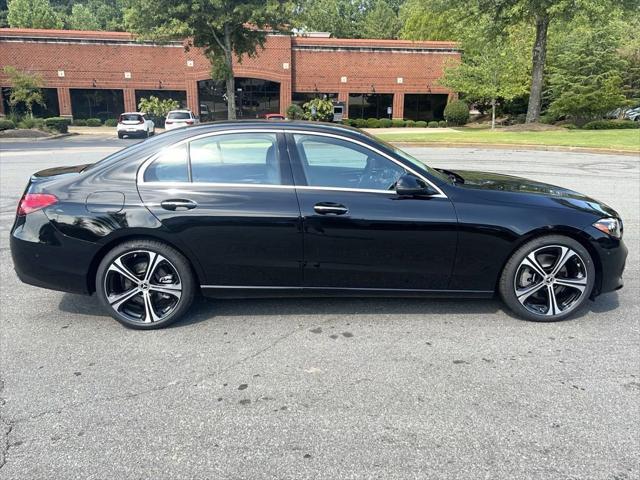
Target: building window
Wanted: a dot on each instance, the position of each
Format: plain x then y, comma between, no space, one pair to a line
50,108
178,95
424,106
370,105
254,98
96,103
300,98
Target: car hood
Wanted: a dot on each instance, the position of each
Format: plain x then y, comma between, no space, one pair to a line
527,191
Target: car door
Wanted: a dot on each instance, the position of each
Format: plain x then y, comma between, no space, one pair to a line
358,233
230,198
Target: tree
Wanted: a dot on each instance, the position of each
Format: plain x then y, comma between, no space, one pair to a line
26,88
491,70
83,18
341,18
380,21
540,13
585,78
318,109
156,107
434,20
222,28
32,14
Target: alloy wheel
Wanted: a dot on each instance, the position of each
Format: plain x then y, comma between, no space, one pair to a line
551,280
143,286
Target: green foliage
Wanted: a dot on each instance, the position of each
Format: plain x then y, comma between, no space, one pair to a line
373,123
323,110
385,123
94,122
295,112
26,88
442,123
432,124
156,107
434,20
397,123
456,113
342,18
29,123
380,21
57,124
349,121
6,124
409,123
585,78
420,124
79,122
32,14
610,124
111,122
222,28
83,18
360,123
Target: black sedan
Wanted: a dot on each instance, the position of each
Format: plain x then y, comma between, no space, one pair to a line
277,208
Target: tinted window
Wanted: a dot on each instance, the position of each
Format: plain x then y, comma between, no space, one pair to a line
130,118
331,162
170,166
250,158
179,116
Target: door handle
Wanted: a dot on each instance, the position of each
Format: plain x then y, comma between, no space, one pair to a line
329,208
178,204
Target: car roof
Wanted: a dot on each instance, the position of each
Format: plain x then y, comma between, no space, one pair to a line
132,113
325,127
186,110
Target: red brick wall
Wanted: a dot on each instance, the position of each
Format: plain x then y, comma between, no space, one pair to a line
99,59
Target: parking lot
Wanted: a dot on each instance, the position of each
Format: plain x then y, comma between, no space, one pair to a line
323,388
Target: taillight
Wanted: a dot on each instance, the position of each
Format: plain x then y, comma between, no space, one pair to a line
189,122
31,202
168,122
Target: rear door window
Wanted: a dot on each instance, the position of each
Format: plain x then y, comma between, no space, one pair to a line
179,116
171,165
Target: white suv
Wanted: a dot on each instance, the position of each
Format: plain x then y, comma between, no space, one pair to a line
180,118
135,124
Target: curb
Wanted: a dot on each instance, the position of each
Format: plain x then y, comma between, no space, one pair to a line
522,146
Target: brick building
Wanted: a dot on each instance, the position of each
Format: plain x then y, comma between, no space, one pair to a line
100,74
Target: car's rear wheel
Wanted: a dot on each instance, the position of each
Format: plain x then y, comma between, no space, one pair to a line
145,284
548,279
120,135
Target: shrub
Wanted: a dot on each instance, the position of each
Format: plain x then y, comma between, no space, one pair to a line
442,123
373,123
295,112
323,110
456,112
349,121
410,123
611,124
57,124
421,124
385,123
570,126
397,123
360,123
111,122
94,122
28,122
433,124
6,124
155,107
80,122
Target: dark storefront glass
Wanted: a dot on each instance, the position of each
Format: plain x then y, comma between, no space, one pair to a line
96,103
254,98
300,98
424,106
178,95
50,108
369,105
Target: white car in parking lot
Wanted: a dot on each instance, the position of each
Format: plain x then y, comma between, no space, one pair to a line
135,124
180,118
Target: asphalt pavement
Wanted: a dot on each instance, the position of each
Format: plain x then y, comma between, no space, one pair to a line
323,388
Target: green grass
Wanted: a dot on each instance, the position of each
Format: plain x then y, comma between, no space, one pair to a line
612,139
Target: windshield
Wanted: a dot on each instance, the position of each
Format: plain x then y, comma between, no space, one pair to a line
411,159
179,115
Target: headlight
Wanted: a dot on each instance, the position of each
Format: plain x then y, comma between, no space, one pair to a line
610,226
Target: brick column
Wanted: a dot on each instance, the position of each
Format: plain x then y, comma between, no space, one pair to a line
398,105
64,102
285,97
193,101
343,96
129,100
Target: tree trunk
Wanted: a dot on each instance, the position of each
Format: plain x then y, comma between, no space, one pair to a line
539,56
493,114
229,78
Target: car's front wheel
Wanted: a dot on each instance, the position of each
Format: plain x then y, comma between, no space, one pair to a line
145,284
548,279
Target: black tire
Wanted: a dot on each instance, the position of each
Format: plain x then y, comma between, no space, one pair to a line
173,261
120,135
582,262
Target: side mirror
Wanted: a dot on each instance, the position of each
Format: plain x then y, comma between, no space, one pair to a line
409,185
